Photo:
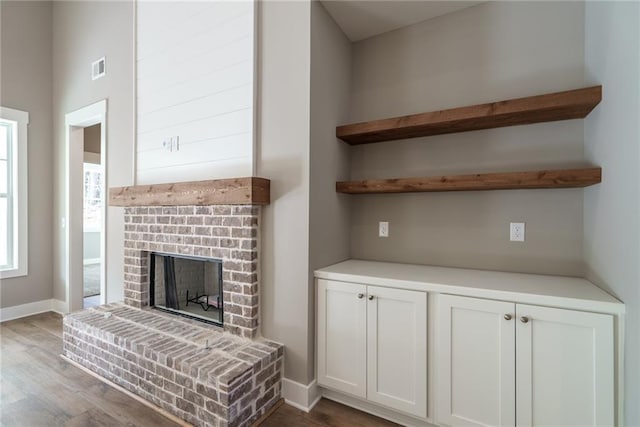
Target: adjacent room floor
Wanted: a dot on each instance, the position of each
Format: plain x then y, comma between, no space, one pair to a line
38,388
91,285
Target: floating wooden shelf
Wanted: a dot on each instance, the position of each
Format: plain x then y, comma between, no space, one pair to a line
234,191
572,104
562,178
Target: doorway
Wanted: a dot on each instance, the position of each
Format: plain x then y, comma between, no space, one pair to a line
92,233
85,219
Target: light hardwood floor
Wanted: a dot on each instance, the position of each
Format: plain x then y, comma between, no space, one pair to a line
38,388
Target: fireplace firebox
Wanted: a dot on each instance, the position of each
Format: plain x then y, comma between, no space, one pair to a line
188,286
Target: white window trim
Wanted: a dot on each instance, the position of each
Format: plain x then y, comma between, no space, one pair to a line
20,212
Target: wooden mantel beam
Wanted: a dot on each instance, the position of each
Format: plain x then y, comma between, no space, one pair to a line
233,191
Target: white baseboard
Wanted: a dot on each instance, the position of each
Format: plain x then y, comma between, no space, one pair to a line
59,306
29,309
91,261
300,396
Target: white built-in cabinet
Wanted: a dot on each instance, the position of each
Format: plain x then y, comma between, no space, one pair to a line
477,365
372,343
342,337
505,364
429,346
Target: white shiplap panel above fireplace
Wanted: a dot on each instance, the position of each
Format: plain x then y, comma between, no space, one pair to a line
195,81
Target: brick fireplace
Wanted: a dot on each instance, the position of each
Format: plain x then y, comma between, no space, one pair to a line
225,232
204,374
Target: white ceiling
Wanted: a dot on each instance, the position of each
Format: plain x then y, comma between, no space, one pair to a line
363,19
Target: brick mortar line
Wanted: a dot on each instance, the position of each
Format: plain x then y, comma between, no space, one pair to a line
150,329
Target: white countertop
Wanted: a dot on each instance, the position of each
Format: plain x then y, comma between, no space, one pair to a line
558,291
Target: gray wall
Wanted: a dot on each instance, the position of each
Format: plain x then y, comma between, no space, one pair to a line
489,52
304,94
26,85
612,139
329,211
283,157
84,32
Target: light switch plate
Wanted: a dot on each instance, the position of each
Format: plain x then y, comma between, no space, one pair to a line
383,229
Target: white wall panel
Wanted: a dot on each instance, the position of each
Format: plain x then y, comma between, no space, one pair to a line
229,147
182,23
191,172
215,127
217,59
198,86
193,110
199,43
195,80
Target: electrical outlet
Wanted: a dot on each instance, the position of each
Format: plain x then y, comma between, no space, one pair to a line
383,229
517,232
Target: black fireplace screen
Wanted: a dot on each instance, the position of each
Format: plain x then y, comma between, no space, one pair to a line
188,286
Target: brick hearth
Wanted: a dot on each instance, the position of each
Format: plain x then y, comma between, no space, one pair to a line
204,376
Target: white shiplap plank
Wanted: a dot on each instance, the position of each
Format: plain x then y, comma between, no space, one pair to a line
167,36
200,44
211,170
214,61
208,84
210,128
155,16
163,13
230,147
210,106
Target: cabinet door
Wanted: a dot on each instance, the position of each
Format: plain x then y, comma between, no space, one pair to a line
565,367
476,362
397,349
342,333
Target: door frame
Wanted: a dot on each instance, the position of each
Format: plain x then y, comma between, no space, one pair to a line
75,122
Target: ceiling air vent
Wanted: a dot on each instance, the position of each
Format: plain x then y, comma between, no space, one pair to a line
98,69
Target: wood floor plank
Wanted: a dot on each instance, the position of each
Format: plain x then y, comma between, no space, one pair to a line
326,413
50,322
30,412
94,417
56,395
10,393
125,409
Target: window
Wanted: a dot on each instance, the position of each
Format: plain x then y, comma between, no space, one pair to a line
92,197
13,192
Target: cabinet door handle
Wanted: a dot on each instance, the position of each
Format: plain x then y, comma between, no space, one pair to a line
371,297
360,296
507,317
524,319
